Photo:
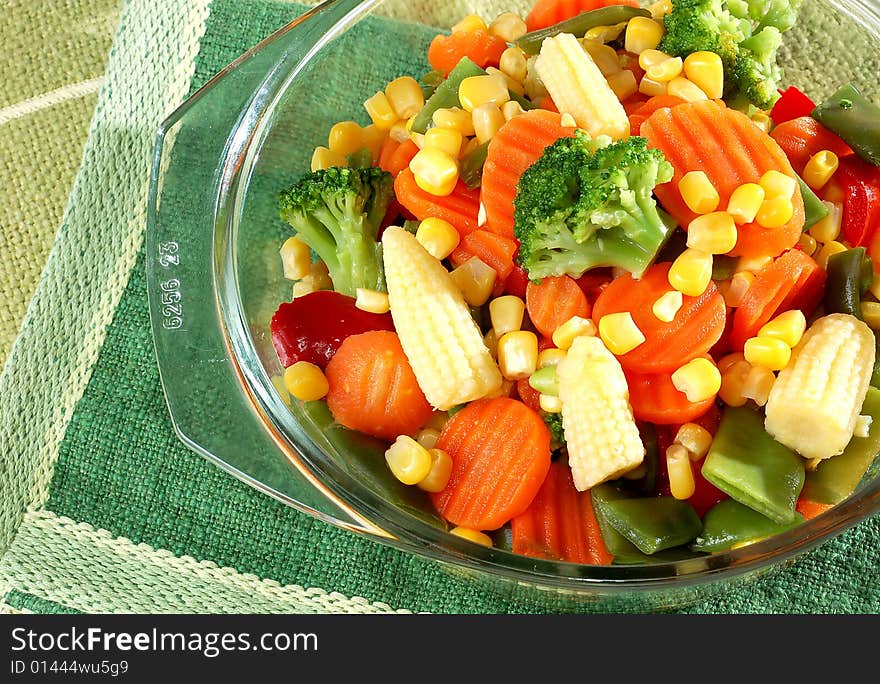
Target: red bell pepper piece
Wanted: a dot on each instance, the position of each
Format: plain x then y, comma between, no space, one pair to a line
860,182
791,104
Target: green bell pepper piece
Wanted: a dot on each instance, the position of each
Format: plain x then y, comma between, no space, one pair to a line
531,42
654,523
750,466
814,208
855,119
849,276
837,477
445,95
472,166
729,523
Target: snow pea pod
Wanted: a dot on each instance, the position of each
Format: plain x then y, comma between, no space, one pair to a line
855,119
729,523
654,523
837,477
531,42
750,466
849,276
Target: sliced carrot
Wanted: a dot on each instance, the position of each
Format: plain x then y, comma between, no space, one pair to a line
386,152
545,13
792,281
500,450
548,104
398,157
654,398
480,46
810,509
641,113
560,523
553,301
494,250
725,144
516,146
373,388
803,137
461,208
528,395
697,325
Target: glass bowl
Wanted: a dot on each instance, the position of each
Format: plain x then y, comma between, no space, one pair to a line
214,279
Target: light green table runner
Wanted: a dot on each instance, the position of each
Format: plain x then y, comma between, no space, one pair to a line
102,510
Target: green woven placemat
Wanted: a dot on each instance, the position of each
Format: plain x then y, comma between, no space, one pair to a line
103,510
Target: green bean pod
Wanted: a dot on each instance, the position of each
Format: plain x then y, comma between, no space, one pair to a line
855,119
531,42
472,163
849,276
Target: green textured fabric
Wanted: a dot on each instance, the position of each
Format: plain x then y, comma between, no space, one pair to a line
121,469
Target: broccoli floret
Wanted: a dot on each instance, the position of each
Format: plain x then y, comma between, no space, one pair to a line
337,213
746,34
588,203
557,434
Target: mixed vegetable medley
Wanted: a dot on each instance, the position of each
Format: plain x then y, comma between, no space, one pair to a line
602,285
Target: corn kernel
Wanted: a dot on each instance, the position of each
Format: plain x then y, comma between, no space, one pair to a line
807,244
737,287
660,8
454,118
438,476
820,168
574,327
605,34
479,90
437,420
318,278
306,381
768,352
753,264
681,476
508,26
427,437
544,381
685,89
642,34
691,272
649,58
517,354
437,236
732,382
728,361
373,138
511,109
605,56
345,138
834,192
651,88
400,132
695,438
475,279
474,536
550,357
513,63
620,333
775,212
745,202
490,339
470,23
488,118
623,83
863,426
713,233
871,314
409,461
699,379
706,71
788,327
778,184
446,140
827,228
372,301
762,121
510,83
828,250
506,313
666,70
567,121
698,192
296,258
435,171
667,305
323,158
758,384
549,403
381,111
481,212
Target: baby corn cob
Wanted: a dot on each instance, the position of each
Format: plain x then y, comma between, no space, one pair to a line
579,88
815,401
440,338
600,431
